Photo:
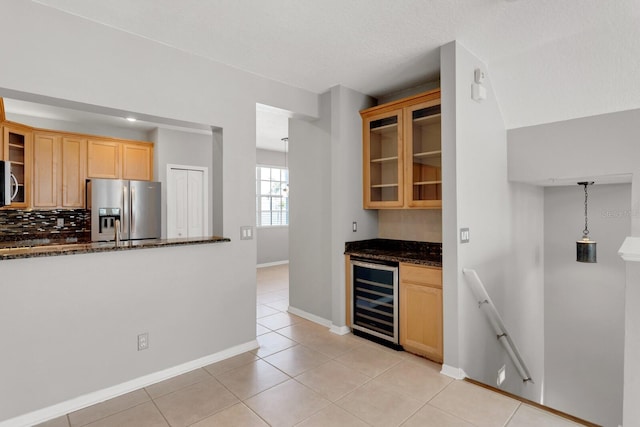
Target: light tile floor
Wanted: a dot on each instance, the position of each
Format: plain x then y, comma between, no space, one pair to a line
304,375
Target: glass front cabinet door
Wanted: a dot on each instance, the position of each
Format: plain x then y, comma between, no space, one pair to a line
17,150
383,160
402,161
423,177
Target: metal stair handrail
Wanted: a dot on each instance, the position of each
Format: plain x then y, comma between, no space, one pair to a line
489,309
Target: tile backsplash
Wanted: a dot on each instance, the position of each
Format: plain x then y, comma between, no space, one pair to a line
423,225
18,224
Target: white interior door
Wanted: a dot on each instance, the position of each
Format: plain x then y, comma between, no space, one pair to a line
195,203
187,201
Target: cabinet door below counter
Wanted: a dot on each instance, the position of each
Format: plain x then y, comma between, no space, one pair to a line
421,310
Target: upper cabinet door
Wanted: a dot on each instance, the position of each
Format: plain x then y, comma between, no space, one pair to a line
17,150
423,172
103,159
137,161
46,158
74,155
402,165
383,160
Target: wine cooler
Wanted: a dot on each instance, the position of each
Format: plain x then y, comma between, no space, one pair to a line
374,296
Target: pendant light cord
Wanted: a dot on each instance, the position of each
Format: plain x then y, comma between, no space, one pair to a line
585,232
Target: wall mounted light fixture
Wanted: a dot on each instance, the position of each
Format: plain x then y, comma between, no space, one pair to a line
478,91
586,248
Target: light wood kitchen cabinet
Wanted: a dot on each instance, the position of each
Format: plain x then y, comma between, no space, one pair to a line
137,161
17,144
103,158
423,155
383,160
46,165
74,165
51,167
115,159
402,154
421,310
59,170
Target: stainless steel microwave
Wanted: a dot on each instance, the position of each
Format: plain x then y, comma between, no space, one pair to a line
7,181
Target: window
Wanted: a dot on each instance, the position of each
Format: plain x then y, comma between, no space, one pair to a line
272,202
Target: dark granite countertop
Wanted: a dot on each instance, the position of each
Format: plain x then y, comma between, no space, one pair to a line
422,253
52,247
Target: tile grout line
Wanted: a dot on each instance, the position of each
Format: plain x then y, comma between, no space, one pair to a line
110,415
161,413
441,409
512,414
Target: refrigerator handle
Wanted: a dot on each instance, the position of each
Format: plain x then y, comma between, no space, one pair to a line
124,219
132,210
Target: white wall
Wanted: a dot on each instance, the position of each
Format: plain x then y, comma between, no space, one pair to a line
326,161
597,148
182,148
346,188
584,303
477,194
96,65
310,213
69,324
631,409
90,129
273,242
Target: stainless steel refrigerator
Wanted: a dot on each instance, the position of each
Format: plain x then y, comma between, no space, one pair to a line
134,205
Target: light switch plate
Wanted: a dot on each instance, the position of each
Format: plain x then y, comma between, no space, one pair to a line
246,232
464,235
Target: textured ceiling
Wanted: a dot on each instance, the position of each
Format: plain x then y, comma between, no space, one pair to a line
548,60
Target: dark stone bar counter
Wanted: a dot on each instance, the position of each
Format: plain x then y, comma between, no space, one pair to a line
52,247
422,253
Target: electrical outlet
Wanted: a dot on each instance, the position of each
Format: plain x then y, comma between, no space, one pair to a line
143,341
60,222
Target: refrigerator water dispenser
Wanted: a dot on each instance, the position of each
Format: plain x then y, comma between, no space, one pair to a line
107,218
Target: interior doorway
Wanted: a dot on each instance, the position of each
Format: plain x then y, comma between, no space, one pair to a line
272,196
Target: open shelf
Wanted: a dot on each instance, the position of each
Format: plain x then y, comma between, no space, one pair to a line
384,127
428,154
383,185
427,119
427,183
385,159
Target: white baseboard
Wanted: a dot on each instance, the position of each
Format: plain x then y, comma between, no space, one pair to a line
340,330
60,409
312,317
455,373
271,264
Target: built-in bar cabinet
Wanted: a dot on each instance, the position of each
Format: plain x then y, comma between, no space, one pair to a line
402,166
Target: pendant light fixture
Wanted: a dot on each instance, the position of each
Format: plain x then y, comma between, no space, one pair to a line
285,187
586,248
